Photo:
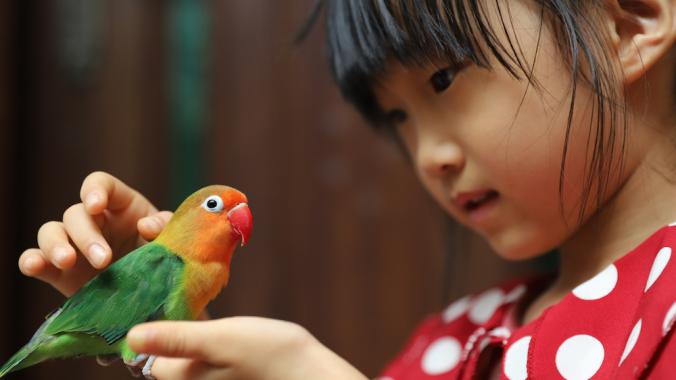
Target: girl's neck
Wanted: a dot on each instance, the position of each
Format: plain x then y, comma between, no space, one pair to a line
645,202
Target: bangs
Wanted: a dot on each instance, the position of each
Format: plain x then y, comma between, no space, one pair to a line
363,35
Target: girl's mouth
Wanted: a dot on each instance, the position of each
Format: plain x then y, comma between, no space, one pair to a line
476,202
480,208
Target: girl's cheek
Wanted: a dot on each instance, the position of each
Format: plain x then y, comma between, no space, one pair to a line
406,135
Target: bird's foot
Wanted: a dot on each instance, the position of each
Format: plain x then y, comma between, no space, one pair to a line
142,365
106,360
148,367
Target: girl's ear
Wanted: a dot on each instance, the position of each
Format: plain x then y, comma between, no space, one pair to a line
642,31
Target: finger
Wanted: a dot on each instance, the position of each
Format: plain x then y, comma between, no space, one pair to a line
54,244
174,339
188,369
32,263
102,191
87,236
151,226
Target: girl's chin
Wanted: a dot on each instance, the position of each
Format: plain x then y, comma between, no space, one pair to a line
520,247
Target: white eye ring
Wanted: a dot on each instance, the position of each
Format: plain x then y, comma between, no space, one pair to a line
213,204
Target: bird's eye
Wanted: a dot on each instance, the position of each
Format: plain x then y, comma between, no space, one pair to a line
213,204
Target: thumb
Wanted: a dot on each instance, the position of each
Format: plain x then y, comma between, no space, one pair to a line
151,226
171,339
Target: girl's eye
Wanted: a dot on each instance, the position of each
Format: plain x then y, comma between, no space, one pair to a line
442,79
213,204
396,117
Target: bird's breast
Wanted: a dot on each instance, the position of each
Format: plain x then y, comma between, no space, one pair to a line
203,282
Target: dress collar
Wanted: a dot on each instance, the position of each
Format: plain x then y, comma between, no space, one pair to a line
608,327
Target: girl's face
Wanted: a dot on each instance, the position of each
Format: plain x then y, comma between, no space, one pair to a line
489,147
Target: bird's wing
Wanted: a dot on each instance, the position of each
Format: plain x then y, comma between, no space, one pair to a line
133,290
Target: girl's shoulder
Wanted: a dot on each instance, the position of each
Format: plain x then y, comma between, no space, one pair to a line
456,330
618,322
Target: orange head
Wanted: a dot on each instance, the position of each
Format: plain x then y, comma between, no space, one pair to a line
208,225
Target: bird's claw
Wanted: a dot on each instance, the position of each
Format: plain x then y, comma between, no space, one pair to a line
148,367
142,365
106,360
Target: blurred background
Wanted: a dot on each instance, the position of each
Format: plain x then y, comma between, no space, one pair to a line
173,95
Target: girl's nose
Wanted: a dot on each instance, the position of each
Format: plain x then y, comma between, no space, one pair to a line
440,159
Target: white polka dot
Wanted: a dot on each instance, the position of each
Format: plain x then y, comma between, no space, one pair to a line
500,332
669,319
579,357
456,309
441,356
672,224
515,294
485,306
659,264
631,342
598,286
516,359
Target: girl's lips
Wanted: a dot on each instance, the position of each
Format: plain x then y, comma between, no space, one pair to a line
481,212
469,200
477,205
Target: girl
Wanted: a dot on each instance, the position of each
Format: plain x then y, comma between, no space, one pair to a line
537,123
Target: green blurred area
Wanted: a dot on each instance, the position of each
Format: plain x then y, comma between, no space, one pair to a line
188,25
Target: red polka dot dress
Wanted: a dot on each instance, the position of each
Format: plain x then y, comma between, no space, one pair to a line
616,325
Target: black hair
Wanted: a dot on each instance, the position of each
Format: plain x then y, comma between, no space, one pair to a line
363,35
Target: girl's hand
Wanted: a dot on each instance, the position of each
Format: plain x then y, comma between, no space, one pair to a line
112,220
240,348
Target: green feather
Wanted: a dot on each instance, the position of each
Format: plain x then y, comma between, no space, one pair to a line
142,286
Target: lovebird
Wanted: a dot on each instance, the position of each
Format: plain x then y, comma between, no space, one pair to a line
171,278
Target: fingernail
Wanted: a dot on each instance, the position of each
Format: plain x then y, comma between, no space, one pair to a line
139,335
30,264
97,254
92,199
60,255
151,224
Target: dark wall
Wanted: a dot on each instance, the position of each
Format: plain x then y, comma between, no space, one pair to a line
345,241
7,231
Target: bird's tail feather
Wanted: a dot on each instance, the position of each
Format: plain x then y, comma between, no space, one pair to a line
19,360
23,359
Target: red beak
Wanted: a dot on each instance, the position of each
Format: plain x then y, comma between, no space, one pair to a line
241,221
